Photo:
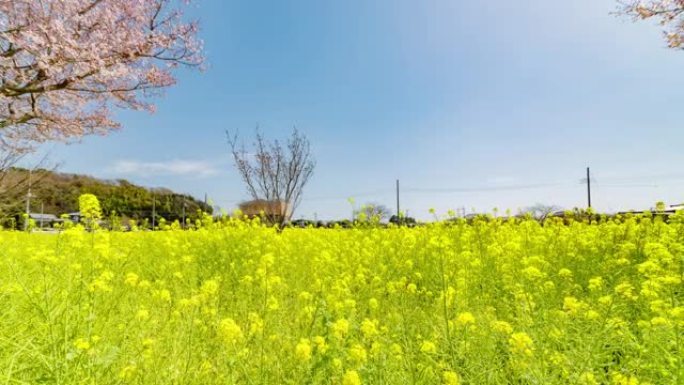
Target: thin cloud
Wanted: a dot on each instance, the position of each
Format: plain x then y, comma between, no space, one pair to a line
176,167
502,180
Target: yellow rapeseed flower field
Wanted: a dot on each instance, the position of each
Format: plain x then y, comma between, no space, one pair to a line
489,302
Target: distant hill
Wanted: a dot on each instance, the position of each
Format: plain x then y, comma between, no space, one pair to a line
58,193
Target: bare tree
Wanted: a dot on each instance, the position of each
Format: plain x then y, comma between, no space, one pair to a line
10,155
15,181
372,212
275,173
541,211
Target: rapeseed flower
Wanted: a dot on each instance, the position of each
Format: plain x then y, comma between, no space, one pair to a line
132,279
351,377
340,328
450,378
82,344
209,288
230,331
520,343
358,354
501,327
587,378
142,314
595,283
428,347
303,350
369,328
465,319
321,346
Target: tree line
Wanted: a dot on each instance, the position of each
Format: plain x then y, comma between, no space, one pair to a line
58,193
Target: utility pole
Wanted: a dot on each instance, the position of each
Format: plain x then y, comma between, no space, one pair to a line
184,213
42,214
588,189
154,209
398,199
28,204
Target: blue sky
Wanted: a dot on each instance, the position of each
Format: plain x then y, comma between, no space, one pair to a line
468,103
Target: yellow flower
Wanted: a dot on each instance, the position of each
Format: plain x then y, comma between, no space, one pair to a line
626,290
321,346
450,378
142,314
303,350
358,354
587,378
621,379
209,288
659,321
131,279
376,348
272,303
340,328
230,331
267,260
428,347
557,359
305,296
256,324
465,319
501,327
521,344
82,344
369,328
373,303
163,294
677,312
532,273
572,305
206,366
127,372
556,333
565,273
595,283
351,377
591,315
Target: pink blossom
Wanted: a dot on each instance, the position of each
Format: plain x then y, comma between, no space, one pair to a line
65,63
669,13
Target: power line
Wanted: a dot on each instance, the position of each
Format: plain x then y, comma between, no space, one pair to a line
359,195
625,185
641,178
603,183
432,190
485,188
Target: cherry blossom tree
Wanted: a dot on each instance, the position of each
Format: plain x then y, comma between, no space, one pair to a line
669,13
64,64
